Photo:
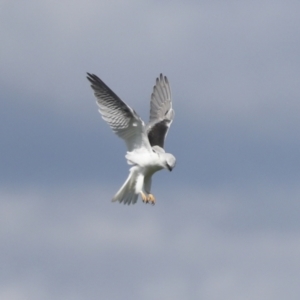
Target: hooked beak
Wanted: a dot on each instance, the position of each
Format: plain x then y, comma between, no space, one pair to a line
169,168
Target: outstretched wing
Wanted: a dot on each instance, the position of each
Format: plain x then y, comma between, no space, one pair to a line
122,119
161,112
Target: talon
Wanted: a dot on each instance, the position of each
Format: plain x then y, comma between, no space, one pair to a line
144,197
151,199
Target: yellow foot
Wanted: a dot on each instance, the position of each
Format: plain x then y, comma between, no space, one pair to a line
148,198
144,197
151,199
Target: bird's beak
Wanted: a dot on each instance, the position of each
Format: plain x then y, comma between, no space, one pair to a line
169,168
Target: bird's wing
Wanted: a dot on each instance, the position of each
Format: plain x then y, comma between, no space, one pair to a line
122,119
161,112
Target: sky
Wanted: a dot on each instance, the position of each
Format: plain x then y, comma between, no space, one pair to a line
226,222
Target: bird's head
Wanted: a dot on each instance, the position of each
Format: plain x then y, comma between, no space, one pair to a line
170,161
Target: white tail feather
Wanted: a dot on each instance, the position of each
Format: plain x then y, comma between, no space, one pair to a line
127,193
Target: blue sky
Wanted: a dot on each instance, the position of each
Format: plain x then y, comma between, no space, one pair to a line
226,223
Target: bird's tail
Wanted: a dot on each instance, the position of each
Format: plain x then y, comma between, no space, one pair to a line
127,193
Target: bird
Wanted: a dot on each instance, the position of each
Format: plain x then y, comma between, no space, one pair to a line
145,142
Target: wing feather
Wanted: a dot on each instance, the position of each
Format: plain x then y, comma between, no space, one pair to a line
122,119
161,112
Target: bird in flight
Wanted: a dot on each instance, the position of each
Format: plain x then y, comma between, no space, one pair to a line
145,143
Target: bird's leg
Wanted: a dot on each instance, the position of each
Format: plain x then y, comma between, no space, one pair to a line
151,199
144,197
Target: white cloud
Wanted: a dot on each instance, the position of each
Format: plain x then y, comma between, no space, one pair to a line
177,249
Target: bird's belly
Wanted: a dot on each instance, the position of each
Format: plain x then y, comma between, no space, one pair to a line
147,160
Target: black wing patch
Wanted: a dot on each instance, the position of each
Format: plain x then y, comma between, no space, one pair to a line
157,133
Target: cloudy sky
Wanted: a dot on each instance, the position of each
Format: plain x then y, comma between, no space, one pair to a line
226,224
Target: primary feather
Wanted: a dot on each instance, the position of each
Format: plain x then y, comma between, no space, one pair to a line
161,112
122,119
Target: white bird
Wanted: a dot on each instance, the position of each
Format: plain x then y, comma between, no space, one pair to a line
145,143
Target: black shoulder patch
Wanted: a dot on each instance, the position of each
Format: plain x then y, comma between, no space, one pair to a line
157,133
